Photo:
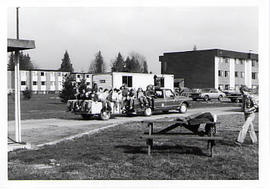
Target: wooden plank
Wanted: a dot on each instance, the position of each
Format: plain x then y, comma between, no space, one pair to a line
156,136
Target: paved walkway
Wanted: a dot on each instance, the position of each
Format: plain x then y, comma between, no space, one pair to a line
50,131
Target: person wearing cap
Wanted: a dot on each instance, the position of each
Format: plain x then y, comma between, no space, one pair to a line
249,109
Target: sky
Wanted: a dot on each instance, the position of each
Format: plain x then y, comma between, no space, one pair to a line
150,31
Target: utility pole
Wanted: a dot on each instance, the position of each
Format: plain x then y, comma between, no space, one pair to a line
17,86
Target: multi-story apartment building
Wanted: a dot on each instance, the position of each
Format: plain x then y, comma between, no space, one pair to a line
38,80
214,68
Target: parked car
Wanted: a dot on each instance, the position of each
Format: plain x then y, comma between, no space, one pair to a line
183,92
164,100
234,96
208,94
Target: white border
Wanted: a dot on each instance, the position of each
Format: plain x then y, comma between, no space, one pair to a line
264,157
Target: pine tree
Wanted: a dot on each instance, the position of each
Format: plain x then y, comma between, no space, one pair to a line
145,67
69,89
24,61
118,64
66,65
98,65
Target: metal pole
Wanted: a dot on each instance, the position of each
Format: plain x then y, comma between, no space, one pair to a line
17,88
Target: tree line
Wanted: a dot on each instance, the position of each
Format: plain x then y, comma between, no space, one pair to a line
134,62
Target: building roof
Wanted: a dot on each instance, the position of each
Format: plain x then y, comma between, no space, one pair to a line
19,44
221,53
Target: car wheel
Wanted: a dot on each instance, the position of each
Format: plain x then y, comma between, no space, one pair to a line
86,116
220,98
148,112
105,115
183,108
206,98
237,100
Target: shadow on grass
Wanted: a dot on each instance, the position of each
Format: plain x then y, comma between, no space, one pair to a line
178,149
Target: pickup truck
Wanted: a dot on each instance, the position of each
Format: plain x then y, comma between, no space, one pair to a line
164,100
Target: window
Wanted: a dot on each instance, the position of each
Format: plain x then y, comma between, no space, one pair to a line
226,73
78,76
219,73
169,94
42,82
41,73
220,60
159,81
242,74
127,80
236,74
227,60
253,63
102,81
52,83
87,83
241,61
59,74
34,83
87,76
254,75
227,87
23,83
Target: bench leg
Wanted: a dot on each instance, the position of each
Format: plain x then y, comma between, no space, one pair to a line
149,141
210,146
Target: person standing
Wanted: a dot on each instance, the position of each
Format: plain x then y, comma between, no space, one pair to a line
249,109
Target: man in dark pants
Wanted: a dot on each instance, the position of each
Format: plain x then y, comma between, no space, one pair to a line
249,109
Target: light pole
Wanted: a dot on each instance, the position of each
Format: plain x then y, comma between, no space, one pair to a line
17,86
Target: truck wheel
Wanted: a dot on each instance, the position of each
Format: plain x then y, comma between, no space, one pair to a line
206,98
220,98
86,116
183,108
148,112
105,115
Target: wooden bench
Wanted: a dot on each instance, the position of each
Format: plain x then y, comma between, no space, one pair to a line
151,135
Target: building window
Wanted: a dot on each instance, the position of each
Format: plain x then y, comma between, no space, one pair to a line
127,80
59,73
236,74
23,83
219,73
254,75
34,83
41,73
242,74
241,61
42,82
87,76
253,63
78,76
102,81
87,83
226,73
227,60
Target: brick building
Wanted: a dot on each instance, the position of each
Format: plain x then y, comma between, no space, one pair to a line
212,68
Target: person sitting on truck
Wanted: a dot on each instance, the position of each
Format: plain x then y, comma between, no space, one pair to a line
141,97
150,94
131,98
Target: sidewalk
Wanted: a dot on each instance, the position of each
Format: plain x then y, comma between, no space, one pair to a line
51,131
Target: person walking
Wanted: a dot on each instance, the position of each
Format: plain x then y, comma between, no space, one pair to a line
249,109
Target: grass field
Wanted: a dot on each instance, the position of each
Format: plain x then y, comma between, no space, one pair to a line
49,106
120,153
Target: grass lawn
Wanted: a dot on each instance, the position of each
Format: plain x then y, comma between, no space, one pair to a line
120,153
49,106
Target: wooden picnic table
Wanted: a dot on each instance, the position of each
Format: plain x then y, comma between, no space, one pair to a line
208,136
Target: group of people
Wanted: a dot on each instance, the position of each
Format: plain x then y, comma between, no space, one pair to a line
122,98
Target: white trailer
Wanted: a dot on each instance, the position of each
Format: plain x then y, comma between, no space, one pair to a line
132,80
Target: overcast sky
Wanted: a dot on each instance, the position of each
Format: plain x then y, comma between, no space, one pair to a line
148,31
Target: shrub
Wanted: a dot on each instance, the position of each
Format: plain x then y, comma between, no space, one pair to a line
69,89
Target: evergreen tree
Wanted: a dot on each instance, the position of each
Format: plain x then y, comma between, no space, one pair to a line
66,65
145,67
118,64
24,61
69,89
98,65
